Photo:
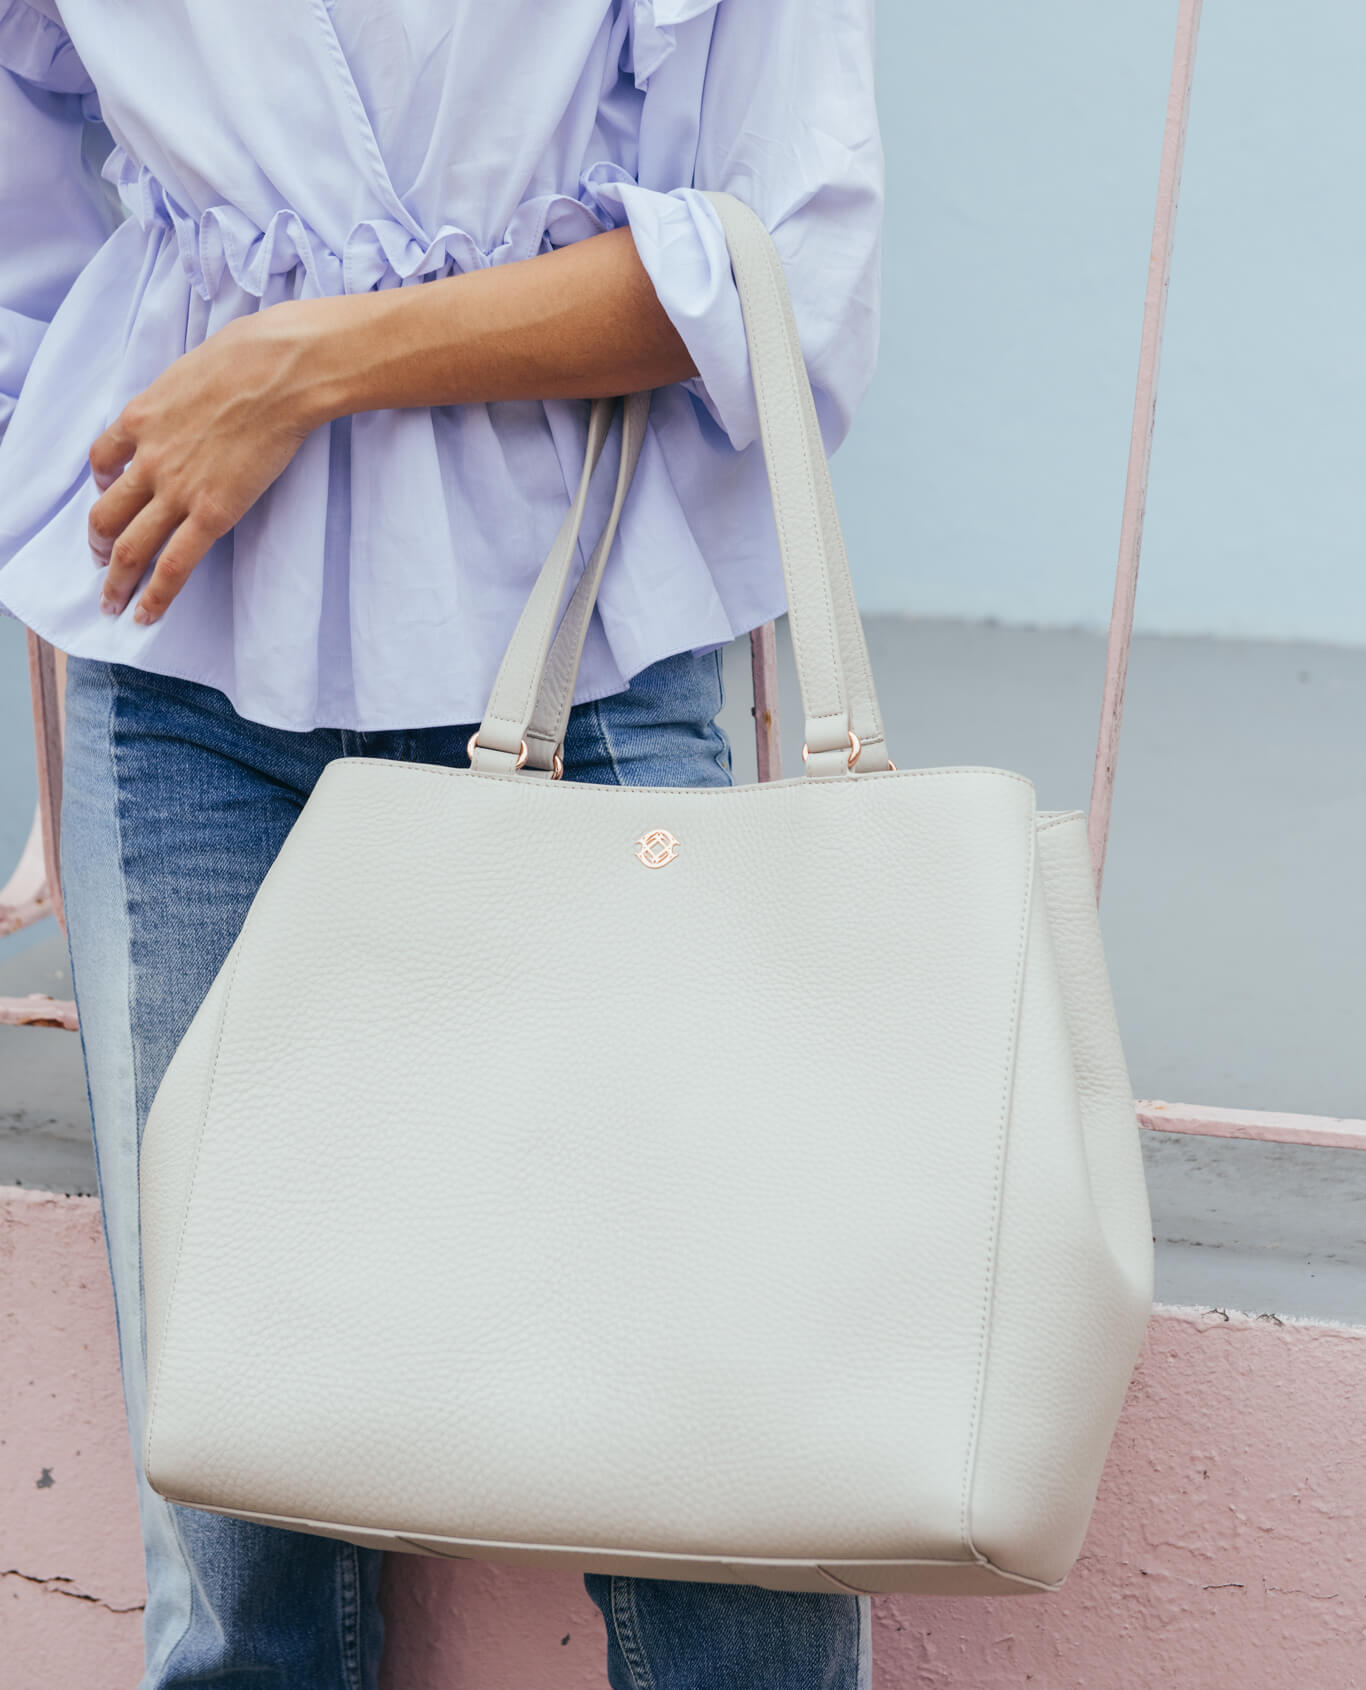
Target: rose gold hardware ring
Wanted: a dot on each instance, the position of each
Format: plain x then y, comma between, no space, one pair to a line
471,744
556,766
855,746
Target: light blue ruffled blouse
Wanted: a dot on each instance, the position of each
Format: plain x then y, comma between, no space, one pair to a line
279,149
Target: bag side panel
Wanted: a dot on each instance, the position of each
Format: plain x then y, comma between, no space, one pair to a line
166,1161
1114,1151
1071,1303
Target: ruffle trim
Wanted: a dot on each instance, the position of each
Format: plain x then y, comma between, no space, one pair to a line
378,252
40,51
652,31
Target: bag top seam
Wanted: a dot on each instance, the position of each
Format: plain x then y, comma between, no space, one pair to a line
792,782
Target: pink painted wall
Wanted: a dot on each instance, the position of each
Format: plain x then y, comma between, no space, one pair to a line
1228,1546
71,1583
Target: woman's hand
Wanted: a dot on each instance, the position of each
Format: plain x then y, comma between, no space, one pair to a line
190,455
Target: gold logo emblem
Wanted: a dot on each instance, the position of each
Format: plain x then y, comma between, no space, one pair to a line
658,848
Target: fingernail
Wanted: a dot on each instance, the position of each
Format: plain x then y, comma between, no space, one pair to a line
142,614
108,606
98,558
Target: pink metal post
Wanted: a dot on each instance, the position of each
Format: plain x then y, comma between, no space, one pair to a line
23,897
34,889
47,739
763,655
1141,437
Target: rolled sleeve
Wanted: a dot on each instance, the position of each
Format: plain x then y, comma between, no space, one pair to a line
55,212
773,101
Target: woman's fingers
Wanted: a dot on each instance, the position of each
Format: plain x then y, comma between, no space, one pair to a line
113,511
188,456
178,558
133,549
110,453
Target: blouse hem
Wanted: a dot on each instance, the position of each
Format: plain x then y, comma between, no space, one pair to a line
444,719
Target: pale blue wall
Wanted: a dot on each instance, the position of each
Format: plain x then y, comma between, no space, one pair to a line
984,475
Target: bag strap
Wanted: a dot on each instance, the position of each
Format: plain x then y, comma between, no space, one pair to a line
843,725
550,714
500,741
827,632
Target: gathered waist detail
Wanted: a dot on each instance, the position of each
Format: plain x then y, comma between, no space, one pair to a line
378,252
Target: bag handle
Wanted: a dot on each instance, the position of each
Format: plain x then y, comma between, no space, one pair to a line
550,715
529,700
838,696
502,733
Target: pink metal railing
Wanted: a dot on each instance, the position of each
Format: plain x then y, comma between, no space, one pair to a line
34,891
1141,432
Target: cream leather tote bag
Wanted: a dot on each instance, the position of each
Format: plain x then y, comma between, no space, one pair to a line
717,1184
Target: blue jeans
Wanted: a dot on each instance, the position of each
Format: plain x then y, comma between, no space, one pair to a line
173,809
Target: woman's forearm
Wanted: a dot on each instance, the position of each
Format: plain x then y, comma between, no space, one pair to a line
579,322
188,456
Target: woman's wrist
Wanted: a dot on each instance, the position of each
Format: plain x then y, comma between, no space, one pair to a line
323,345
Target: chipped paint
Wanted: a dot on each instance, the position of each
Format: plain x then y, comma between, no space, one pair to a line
56,1584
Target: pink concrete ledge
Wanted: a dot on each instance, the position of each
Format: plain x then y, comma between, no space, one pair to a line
1332,1131
1228,1545
36,1010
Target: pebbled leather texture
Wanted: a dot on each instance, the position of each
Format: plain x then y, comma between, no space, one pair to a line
774,1215
715,1289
